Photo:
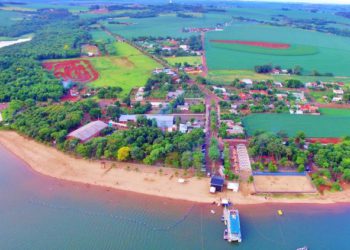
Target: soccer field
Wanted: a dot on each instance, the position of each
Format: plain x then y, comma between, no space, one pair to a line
322,126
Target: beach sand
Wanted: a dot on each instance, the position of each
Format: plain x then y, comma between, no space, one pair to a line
140,178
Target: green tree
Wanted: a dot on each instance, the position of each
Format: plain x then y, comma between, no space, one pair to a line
123,153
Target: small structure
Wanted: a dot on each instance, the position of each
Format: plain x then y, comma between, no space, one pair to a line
183,128
217,182
88,131
243,157
338,91
174,94
248,82
234,186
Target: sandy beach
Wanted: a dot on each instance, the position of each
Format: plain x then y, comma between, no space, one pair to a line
139,178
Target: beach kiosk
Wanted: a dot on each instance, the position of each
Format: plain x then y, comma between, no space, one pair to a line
217,182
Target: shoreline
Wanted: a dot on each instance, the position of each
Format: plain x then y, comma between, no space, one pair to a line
139,178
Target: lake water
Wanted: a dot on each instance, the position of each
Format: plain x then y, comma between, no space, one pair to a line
38,212
9,43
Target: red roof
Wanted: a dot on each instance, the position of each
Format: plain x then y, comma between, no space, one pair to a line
243,96
3,106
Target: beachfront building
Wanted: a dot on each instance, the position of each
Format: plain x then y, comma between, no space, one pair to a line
88,131
164,122
217,182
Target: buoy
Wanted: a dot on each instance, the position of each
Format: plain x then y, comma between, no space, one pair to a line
212,211
280,212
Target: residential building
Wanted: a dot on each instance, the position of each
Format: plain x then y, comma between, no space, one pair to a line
88,131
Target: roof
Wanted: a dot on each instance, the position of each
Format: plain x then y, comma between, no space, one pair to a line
87,131
163,121
217,181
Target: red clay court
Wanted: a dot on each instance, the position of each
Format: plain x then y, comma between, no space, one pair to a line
255,44
80,71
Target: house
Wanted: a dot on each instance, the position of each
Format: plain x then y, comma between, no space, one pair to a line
223,90
139,94
281,97
260,92
275,72
299,95
337,99
88,131
184,47
183,128
235,130
217,182
243,96
184,107
338,91
248,82
163,121
307,108
174,94
278,84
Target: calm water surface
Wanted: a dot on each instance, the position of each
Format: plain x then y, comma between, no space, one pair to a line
38,212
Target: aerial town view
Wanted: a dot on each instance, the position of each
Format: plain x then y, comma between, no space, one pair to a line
158,124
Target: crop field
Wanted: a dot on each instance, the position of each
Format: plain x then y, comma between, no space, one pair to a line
193,60
100,36
129,69
309,49
165,25
80,71
321,126
9,17
265,48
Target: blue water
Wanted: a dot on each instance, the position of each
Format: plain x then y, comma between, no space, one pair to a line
38,212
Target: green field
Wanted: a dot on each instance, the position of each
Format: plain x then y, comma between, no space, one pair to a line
165,25
335,112
129,69
9,17
193,60
329,48
313,126
294,50
227,76
100,36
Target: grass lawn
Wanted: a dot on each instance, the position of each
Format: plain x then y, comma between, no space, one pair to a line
193,60
227,76
129,69
100,36
326,126
335,112
318,95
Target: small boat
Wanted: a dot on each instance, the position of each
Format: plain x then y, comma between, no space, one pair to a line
212,211
280,212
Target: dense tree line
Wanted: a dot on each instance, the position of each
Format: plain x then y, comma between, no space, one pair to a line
57,34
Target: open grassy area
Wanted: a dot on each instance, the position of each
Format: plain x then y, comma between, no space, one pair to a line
323,126
318,95
129,69
325,48
227,76
335,112
9,17
165,25
100,36
193,60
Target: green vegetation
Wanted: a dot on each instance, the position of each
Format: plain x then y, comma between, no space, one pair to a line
335,112
192,60
330,48
128,69
293,50
313,126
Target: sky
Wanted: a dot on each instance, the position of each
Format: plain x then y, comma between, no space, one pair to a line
309,1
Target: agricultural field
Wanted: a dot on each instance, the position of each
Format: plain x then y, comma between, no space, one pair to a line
8,18
164,25
321,126
309,49
193,60
335,112
128,69
79,71
100,36
227,76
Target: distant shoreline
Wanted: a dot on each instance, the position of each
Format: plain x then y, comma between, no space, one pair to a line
139,178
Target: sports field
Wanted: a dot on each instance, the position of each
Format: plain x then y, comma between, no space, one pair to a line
322,126
130,68
282,184
309,49
193,60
